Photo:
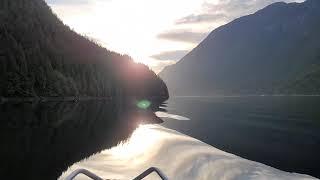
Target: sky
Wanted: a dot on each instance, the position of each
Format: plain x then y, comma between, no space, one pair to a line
157,33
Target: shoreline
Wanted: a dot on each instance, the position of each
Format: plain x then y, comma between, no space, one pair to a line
155,100
51,99
256,95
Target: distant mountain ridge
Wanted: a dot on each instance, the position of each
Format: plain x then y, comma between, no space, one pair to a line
42,57
260,53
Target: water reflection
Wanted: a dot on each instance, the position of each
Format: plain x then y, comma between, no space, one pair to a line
177,155
41,140
171,116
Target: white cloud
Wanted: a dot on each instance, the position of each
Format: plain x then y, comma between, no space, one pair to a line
172,55
187,36
226,10
199,18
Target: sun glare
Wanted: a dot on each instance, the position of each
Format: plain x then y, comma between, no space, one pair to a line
130,27
143,138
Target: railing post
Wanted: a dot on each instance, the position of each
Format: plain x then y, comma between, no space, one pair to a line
149,171
83,171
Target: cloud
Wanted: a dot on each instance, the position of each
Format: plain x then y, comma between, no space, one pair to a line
214,15
200,18
170,55
182,36
226,10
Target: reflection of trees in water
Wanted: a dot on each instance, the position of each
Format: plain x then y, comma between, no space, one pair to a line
39,141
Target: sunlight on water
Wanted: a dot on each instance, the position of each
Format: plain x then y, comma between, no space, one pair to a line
171,116
143,138
177,155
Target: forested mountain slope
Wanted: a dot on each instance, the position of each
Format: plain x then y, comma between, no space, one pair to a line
308,82
40,56
256,54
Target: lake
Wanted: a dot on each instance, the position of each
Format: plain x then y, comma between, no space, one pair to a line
45,140
280,131
41,140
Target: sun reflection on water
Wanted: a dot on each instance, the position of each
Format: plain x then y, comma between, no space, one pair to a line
178,156
142,139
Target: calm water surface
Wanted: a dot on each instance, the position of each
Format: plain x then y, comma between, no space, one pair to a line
283,132
41,141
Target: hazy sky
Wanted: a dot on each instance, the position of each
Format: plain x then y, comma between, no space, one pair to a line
155,32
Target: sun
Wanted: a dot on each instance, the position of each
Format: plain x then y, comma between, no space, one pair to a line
129,27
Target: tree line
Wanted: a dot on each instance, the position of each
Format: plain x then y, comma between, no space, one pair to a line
40,56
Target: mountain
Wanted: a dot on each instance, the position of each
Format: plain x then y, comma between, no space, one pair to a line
42,57
308,82
261,53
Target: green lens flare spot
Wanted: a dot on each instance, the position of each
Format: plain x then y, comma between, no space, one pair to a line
144,104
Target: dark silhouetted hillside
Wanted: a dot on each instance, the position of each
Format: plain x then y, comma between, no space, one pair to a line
40,56
256,54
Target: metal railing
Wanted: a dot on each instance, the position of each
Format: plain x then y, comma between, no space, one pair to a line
95,177
84,172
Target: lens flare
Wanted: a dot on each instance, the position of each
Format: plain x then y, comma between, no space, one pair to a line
144,104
